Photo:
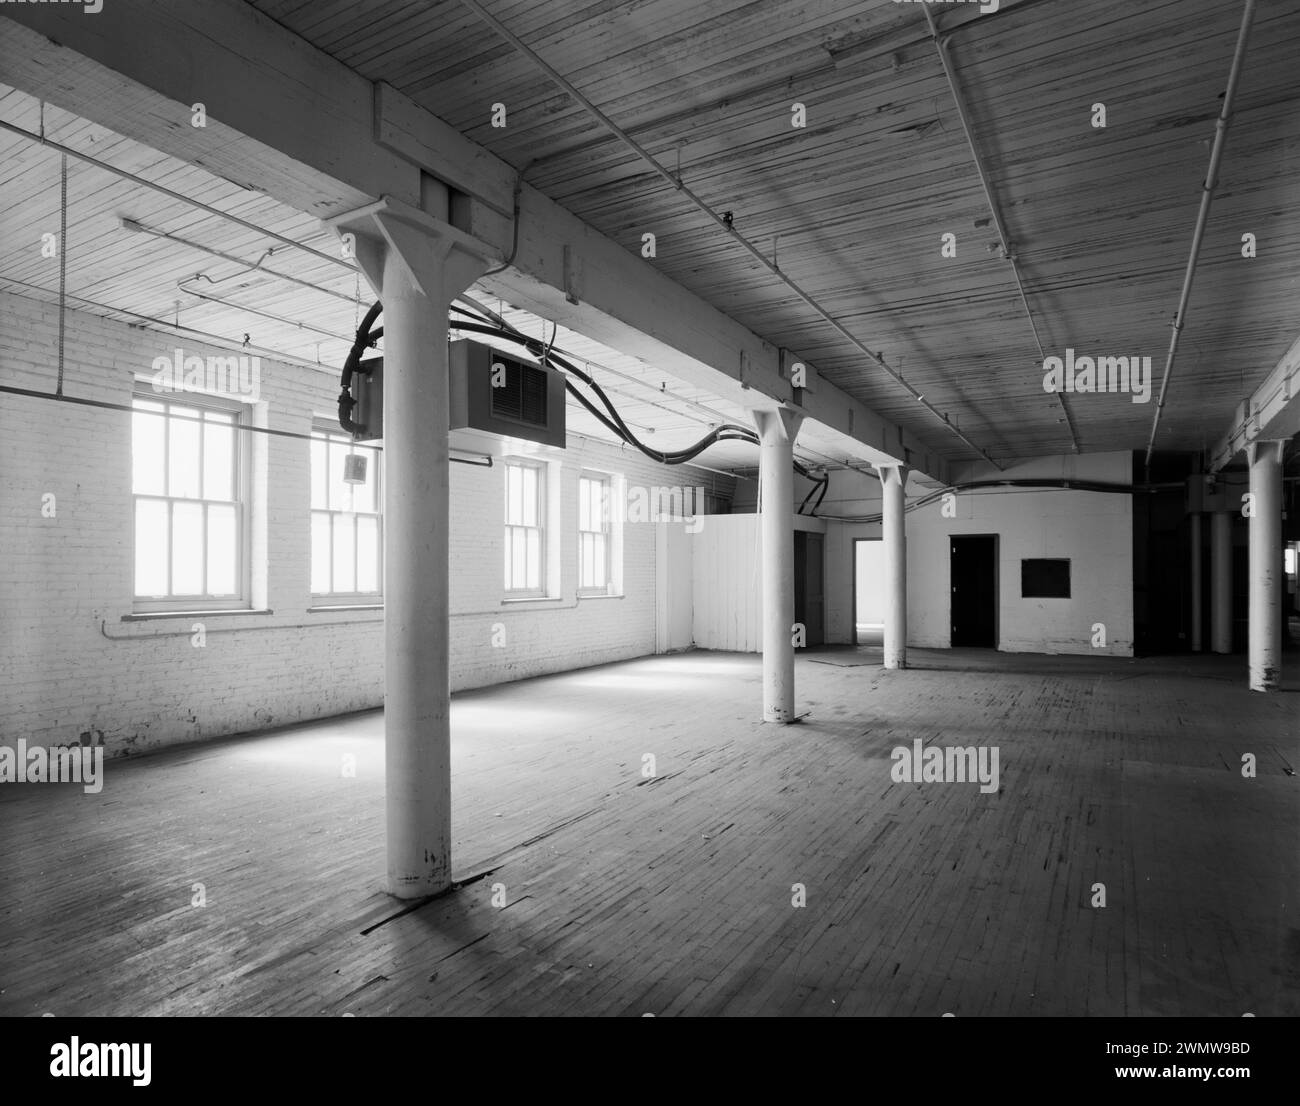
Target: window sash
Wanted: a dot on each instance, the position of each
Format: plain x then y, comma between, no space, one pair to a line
339,537
203,570
593,559
525,530
594,545
338,545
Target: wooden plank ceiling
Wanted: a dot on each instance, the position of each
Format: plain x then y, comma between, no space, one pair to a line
854,204
285,302
857,201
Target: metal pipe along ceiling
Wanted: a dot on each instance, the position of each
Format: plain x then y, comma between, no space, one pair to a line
137,227
1207,195
941,45
125,174
748,246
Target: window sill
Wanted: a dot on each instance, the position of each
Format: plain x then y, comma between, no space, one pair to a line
601,595
142,626
336,608
151,616
531,599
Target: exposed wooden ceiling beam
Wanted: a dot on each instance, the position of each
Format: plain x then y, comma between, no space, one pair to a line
1272,412
301,127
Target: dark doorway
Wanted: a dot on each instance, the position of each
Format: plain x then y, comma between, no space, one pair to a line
1162,592
810,585
974,562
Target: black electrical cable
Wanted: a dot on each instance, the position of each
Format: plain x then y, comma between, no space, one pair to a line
500,328
614,423
826,483
544,353
820,485
491,325
811,492
365,339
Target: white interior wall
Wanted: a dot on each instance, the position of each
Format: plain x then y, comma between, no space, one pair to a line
76,667
674,590
727,581
1093,530
726,584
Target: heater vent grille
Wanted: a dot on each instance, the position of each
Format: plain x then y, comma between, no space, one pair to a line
527,403
523,395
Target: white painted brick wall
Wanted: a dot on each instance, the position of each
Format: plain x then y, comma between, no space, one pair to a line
70,666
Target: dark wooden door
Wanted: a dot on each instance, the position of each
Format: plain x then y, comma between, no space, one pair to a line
975,590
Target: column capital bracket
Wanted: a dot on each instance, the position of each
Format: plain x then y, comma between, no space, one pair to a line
440,260
1257,445
888,472
787,419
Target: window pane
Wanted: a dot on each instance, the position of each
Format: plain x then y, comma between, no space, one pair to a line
187,548
593,505
320,552
344,553
151,546
339,499
521,558
367,554
598,561
223,551
218,460
183,459
319,500
530,497
514,494
149,452
584,504
534,558
518,560
363,495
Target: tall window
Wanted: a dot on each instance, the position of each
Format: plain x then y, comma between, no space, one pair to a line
525,528
347,533
187,482
593,533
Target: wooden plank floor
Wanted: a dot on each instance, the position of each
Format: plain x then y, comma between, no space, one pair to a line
673,895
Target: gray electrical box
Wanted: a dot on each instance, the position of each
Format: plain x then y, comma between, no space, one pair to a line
368,391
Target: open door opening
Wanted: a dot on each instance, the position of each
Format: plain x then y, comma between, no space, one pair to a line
974,562
810,585
869,591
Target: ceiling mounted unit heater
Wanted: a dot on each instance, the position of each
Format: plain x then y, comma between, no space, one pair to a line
504,396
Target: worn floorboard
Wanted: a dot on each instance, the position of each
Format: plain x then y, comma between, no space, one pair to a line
673,895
